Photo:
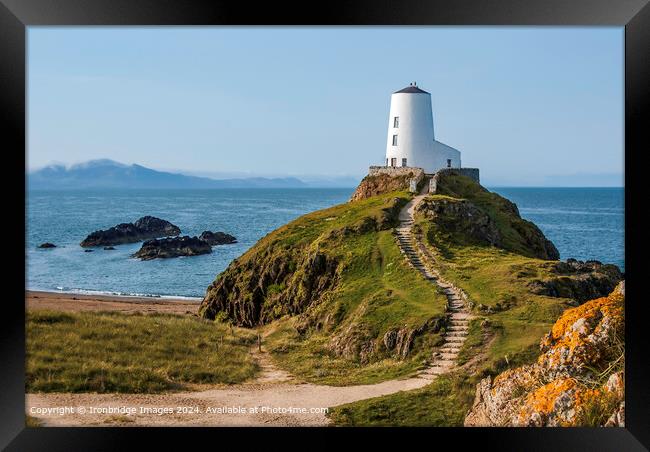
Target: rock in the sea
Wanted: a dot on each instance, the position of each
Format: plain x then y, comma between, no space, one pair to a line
217,238
88,251
172,247
47,245
143,229
109,248
578,280
565,386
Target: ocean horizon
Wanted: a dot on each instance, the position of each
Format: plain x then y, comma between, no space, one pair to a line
583,223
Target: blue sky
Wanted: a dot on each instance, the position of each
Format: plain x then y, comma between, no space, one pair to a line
527,105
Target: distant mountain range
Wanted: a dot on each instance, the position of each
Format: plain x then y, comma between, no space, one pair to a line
114,175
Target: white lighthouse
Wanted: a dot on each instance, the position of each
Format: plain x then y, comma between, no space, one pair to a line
411,141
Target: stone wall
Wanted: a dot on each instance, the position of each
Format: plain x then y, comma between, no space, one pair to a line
396,171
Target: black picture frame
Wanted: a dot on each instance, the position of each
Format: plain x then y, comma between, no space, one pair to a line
16,15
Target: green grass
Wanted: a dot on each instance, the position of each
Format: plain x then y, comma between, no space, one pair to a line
443,403
132,353
312,226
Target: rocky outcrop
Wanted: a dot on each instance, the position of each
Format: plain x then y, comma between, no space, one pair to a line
145,228
356,343
172,247
272,283
578,380
462,219
393,179
516,234
47,245
217,238
578,280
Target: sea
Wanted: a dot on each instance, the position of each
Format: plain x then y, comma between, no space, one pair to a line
583,223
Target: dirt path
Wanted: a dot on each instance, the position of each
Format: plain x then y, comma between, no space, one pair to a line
249,404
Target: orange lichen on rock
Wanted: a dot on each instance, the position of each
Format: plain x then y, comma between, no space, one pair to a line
543,399
580,338
563,388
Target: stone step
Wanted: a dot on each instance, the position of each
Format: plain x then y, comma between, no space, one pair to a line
441,363
460,317
445,363
451,346
450,350
455,334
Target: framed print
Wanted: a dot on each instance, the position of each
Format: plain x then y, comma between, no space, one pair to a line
366,216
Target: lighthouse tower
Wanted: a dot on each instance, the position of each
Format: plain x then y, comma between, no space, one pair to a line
411,141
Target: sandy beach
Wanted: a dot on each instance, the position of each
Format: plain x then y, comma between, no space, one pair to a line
56,301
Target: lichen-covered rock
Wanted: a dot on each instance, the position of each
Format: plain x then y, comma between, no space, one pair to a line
564,387
578,280
144,228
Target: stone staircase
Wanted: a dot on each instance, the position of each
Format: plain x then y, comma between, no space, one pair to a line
419,257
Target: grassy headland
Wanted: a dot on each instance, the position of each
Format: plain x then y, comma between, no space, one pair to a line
334,283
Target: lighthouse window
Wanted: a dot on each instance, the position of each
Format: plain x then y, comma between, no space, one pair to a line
394,140
396,122
448,163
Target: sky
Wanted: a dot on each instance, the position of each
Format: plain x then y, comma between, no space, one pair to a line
529,106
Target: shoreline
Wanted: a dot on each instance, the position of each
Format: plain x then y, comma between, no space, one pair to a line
73,302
